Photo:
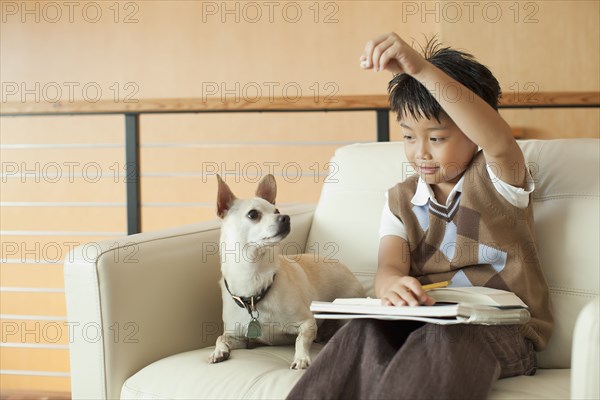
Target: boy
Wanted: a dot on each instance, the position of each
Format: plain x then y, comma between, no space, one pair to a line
464,216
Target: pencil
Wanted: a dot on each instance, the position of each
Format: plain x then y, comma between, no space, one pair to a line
436,285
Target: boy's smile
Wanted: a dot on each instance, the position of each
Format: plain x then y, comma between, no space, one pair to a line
438,151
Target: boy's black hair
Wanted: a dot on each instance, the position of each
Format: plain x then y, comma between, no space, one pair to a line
409,96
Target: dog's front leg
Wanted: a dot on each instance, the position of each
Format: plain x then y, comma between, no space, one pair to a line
225,343
307,332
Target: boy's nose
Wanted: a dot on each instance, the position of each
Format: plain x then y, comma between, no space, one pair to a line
423,152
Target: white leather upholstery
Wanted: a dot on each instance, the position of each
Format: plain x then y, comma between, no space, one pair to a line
586,354
170,295
266,375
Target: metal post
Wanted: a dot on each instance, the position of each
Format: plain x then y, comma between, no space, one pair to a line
383,125
132,173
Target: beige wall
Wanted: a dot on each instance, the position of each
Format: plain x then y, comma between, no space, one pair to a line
53,197
534,46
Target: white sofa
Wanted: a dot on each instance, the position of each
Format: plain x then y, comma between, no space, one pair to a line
156,298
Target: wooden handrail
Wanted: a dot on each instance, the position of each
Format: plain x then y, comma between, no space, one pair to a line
550,99
338,103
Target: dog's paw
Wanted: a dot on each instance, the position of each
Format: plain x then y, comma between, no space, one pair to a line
218,356
300,363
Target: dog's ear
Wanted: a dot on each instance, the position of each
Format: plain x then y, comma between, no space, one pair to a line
225,197
267,189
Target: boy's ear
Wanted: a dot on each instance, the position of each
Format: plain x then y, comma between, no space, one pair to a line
267,189
225,197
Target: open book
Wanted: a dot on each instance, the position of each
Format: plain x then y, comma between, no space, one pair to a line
477,295
470,305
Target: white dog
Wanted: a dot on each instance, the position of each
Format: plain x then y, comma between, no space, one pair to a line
266,296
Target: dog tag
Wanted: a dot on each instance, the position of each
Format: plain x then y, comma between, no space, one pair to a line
254,329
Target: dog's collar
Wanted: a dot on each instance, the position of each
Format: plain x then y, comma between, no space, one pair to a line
249,303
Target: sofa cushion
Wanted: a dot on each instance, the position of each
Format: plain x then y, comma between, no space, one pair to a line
259,373
263,373
545,384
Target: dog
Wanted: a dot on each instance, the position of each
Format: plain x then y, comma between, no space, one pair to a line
266,295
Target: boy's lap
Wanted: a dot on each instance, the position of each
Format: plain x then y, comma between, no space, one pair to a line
504,343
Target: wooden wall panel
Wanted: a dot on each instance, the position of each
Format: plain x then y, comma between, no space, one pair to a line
199,203
32,303
290,188
95,219
154,218
33,275
553,45
54,333
88,161
80,129
51,247
535,46
555,123
175,49
29,383
279,127
35,359
290,161
85,188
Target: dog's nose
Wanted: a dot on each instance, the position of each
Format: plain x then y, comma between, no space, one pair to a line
285,219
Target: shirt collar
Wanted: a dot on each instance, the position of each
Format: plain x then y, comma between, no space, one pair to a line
424,193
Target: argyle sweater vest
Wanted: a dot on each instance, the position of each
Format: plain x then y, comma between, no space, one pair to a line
478,240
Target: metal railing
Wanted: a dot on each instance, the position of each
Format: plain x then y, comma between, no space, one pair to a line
133,111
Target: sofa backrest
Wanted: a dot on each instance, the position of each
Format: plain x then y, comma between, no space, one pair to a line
566,209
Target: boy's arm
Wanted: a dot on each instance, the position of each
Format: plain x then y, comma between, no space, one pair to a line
393,285
473,116
480,122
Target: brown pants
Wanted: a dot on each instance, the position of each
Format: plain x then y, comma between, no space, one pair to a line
373,359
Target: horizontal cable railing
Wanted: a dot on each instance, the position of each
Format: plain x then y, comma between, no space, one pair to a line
132,111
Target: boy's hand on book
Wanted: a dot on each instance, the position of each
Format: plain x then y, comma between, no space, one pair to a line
406,291
392,53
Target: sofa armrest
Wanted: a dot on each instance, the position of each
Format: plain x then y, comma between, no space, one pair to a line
135,300
585,366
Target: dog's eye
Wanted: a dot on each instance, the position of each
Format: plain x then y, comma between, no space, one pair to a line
253,214
277,211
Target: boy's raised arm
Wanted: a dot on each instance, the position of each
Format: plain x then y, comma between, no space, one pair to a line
473,116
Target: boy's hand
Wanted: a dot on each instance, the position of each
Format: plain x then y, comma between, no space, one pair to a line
406,291
392,53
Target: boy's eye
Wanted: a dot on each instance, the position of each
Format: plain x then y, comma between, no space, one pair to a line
253,214
436,139
407,137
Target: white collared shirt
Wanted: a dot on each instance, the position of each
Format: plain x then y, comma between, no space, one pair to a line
518,197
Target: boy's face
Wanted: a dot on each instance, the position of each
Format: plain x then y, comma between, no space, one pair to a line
438,151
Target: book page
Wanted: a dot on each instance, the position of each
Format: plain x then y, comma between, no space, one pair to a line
477,295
